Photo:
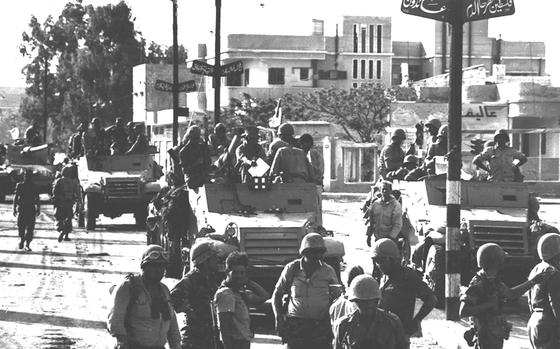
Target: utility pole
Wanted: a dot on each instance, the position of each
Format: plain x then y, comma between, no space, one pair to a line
45,110
453,195
217,64
175,78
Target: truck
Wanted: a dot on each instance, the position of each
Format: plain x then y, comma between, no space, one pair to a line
117,184
490,212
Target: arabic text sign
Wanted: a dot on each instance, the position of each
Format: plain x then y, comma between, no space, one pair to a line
483,9
164,86
434,9
231,68
187,86
484,116
202,68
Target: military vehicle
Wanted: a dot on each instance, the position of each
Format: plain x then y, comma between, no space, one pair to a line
117,184
20,158
490,212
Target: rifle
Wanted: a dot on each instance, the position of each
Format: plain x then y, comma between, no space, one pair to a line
216,343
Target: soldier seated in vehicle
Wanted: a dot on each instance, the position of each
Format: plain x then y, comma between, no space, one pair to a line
32,135
95,139
194,157
76,143
392,155
284,139
119,137
140,145
290,164
218,141
249,152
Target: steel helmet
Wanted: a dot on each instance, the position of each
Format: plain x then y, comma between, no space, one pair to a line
385,248
201,252
154,254
442,131
312,241
398,134
501,133
251,132
286,129
220,128
549,246
434,122
66,171
489,254
410,159
364,287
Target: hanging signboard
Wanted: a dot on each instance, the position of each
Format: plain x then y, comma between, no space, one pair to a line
434,9
202,68
473,10
231,68
476,10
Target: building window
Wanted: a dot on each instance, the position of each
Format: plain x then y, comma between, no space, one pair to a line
379,38
276,76
543,143
355,69
304,74
234,79
370,69
355,85
355,38
246,77
378,74
363,69
364,39
371,36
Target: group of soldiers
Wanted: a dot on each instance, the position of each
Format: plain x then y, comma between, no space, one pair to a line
499,160
290,159
118,139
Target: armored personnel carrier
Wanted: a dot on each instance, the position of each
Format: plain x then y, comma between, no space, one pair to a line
117,184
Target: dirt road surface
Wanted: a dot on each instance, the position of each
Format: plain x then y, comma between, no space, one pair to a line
56,296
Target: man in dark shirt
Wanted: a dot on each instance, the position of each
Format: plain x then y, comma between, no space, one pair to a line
26,208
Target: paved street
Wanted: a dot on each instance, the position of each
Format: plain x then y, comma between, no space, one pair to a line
56,296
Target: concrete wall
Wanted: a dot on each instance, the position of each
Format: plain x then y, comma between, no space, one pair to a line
258,72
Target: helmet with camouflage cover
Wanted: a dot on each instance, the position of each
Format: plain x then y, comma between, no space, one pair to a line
490,255
364,287
312,241
385,248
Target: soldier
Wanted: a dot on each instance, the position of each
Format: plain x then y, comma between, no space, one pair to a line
409,171
501,161
130,134
218,141
32,136
385,215
26,208
304,322
65,194
76,146
544,298
342,306
140,315
140,145
95,139
432,126
233,299
314,157
484,299
369,326
392,155
285,138
291,165
195,159
400,287
119,137
193,296
249,152
438,148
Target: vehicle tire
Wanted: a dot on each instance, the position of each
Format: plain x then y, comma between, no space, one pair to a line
140,216
90,214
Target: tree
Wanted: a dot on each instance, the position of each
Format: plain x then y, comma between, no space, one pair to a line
362,112
160,54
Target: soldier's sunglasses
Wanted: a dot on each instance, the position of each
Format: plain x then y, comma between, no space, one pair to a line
156,255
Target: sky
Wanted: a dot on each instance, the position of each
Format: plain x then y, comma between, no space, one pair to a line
534,20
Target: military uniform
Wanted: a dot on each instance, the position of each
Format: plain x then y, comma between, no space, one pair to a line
32,136
192,296
544,303
491,327
26,204
94,142
292,164
140,145
195,161
390,159
385,218
119,140
500,162
273,148
65,194
246,153
384,332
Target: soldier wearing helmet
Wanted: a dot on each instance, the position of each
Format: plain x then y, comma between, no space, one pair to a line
437,148
368,326
119,137
486,294
392,155
544,298
501,161
193,296
285,138
194,157
95,139
409,171
432,126
32,135
249,152
304,322
140,145
65,193
26,208
218,141
75,143
140,315
401,286
385,215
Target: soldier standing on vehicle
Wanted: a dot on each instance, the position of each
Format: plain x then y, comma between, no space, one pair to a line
233,299
65,194
432,126
544,298
385,215
315,158
285,138
392,155
369,326
249,152
291,164
193,296
95,139
140,145
195,159
26,208
438,148
484,299
304,322
218,142
140,316
119,137
76,146
400,287
32,135
501,161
